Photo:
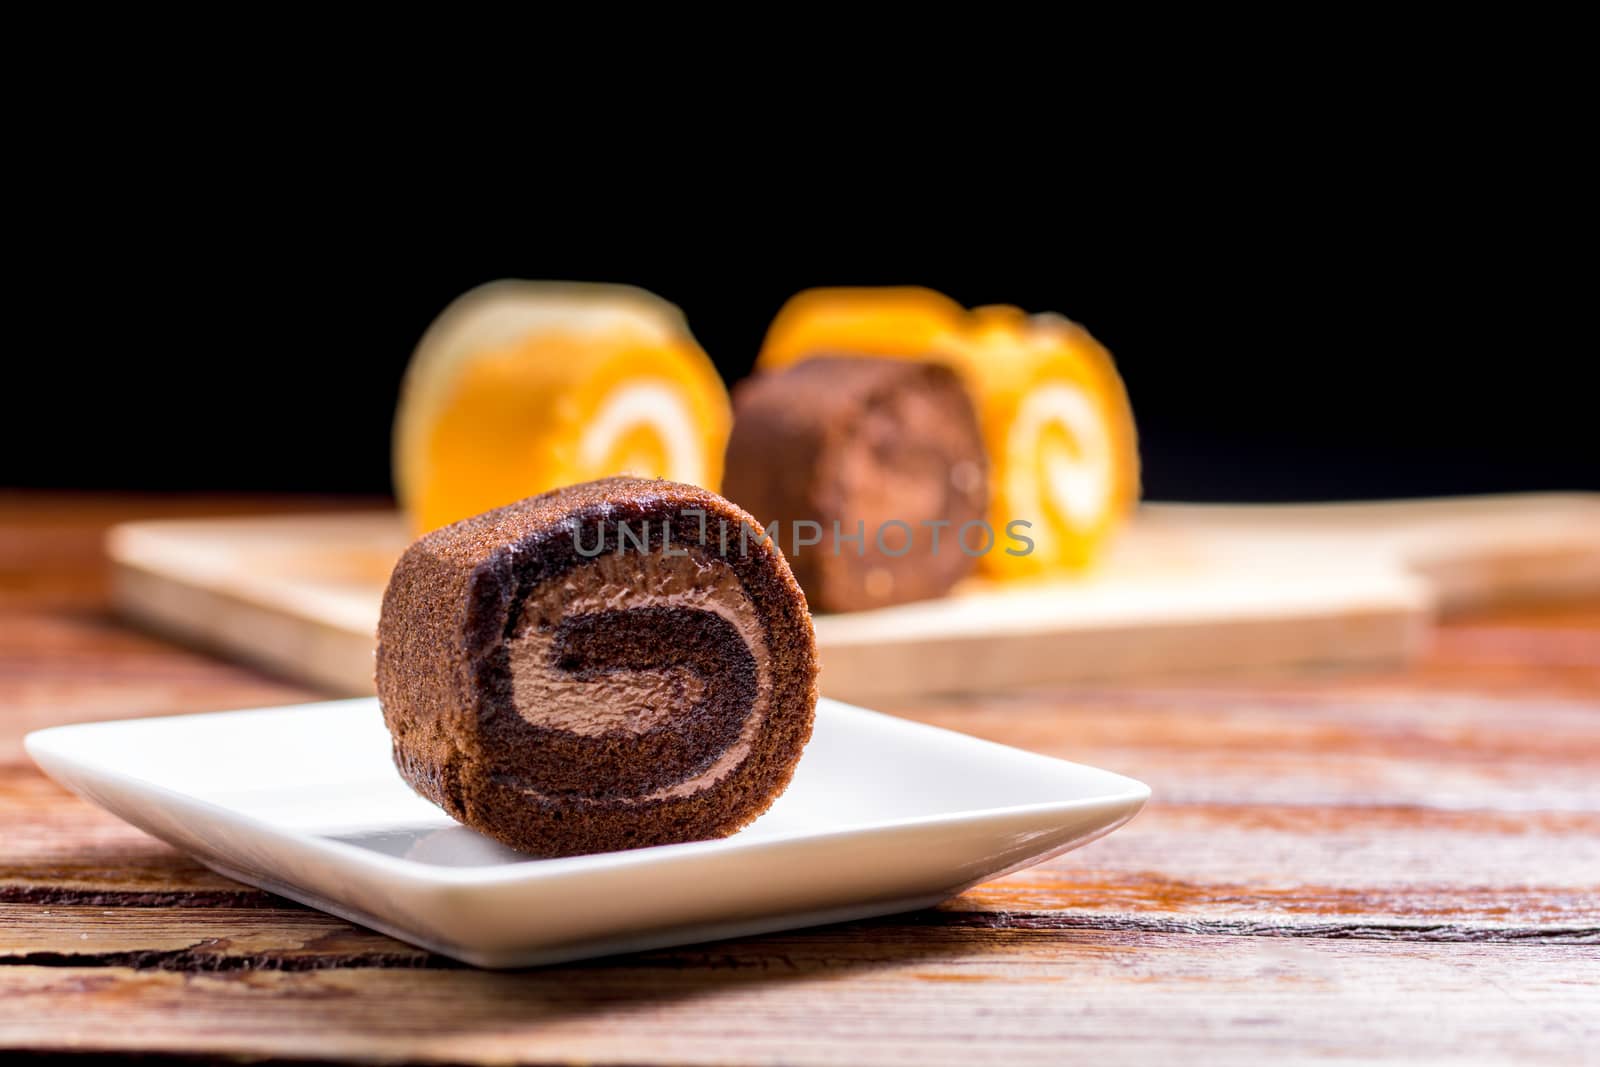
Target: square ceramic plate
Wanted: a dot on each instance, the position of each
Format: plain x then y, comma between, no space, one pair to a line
883,815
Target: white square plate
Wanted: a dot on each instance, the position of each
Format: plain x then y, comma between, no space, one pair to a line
883,815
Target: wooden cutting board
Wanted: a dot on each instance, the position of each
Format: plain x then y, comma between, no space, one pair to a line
1186,588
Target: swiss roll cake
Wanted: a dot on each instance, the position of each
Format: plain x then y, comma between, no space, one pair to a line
1057,426
616,664
873,471
520,387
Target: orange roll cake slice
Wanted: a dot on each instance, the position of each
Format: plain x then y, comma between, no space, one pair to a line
521,387
905,321
1063,453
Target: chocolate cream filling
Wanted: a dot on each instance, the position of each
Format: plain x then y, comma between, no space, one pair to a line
636,677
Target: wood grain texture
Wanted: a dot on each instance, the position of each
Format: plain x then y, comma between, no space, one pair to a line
862,995
1393,864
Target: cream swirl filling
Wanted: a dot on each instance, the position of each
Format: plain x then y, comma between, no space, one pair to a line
619,704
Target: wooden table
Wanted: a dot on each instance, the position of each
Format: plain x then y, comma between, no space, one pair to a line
1404,865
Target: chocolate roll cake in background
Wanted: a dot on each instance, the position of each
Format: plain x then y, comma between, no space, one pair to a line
603,667
886,449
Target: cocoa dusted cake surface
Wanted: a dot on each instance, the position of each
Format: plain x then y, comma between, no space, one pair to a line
607,666
883,455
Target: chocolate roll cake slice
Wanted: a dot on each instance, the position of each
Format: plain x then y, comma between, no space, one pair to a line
882,462
606,666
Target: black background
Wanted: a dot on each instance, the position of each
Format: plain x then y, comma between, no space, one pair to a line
1308,335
